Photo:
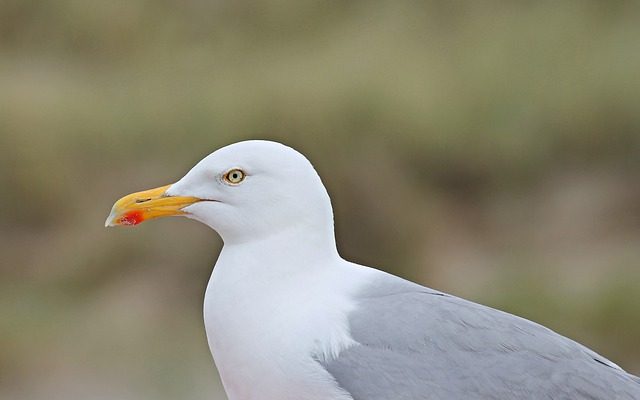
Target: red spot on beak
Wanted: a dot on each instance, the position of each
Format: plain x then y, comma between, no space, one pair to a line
131,218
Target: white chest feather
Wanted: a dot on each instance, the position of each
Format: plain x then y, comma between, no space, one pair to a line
266,335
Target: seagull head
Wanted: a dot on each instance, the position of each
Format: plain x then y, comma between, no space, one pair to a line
245,191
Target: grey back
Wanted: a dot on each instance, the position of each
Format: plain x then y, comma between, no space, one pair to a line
418,343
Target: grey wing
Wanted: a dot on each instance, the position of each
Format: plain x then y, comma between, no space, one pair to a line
417,343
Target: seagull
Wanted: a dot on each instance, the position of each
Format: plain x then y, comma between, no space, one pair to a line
288,319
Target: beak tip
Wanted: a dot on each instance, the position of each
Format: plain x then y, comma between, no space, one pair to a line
109,222
112,219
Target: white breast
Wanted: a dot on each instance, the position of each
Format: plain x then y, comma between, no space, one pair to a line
267,331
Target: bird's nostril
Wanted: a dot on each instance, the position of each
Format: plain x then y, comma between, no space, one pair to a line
143,200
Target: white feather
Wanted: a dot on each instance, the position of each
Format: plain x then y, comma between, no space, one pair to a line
279,296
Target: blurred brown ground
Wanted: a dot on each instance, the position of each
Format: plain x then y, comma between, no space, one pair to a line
489,149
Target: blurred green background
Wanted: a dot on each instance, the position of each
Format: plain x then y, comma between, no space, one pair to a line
488,149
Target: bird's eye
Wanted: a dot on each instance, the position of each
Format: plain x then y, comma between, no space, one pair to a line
234,176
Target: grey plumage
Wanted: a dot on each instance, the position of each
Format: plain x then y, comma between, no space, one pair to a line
417,343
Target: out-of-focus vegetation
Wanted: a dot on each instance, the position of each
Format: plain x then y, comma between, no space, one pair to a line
489,149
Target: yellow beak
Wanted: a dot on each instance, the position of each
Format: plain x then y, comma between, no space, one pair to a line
149,204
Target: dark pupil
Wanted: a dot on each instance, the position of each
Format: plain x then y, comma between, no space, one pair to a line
235,175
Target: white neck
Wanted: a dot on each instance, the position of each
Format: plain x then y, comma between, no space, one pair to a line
286,253
259,336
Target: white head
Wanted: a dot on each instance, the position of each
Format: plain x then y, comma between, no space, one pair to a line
245,191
